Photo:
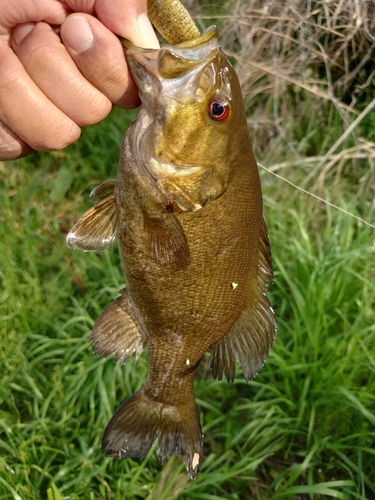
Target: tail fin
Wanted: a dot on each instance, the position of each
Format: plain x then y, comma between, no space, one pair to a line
134,427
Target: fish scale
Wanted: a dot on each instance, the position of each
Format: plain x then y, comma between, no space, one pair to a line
187,208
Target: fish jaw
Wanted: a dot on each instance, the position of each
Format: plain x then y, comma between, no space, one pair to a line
177,145
171,69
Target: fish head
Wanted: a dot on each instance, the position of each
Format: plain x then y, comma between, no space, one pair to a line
191,116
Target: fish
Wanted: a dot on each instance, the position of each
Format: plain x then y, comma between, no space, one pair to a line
186,206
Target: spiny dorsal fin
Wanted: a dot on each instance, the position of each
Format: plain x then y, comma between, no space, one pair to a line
166,240
116,332
97,228
251,337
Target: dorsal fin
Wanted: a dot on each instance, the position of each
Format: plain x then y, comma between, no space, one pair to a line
251,337
97,228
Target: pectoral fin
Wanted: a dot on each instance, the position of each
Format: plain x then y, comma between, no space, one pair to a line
116,332
97,228
251,337
105,189
166,240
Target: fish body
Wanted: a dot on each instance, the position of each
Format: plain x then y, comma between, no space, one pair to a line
187,207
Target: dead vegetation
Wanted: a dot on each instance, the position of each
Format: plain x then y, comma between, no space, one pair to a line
325,47
300,61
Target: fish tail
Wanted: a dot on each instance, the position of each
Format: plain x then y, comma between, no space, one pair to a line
136,424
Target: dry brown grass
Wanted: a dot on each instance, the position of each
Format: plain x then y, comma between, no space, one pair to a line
298,55
325,47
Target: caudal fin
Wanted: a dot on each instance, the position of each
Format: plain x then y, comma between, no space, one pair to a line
134,427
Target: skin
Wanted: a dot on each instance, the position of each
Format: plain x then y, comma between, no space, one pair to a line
63,63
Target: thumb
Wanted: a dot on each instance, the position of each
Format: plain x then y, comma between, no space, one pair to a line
99,55
128,18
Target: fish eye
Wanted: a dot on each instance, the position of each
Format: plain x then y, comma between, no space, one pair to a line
219,109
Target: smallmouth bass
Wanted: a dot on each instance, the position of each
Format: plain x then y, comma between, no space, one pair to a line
187,208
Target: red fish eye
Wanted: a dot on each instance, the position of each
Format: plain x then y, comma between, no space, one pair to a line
219,109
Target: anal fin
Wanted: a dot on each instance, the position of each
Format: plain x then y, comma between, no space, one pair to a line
249,342
251,337
116,332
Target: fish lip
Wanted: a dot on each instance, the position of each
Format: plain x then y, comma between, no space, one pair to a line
194,53
209,34
171,71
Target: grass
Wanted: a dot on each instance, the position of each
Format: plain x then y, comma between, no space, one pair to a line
304,428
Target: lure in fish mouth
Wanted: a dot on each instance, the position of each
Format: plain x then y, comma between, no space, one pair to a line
187,208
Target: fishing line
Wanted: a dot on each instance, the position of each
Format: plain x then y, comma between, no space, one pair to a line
317,197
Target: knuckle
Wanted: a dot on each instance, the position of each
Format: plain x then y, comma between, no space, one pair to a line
43,42
11,146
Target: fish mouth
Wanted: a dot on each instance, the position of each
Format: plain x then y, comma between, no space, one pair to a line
171,70
193,50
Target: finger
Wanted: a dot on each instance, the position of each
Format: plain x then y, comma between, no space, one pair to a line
27,111
125,18
99,55
129,20
12,146
32,10
52,69
86,6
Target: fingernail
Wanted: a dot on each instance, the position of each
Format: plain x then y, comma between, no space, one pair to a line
77,33
21,32
147,33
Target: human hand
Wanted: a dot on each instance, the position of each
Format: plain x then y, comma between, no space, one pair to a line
62,68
